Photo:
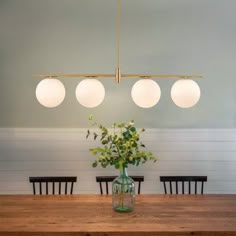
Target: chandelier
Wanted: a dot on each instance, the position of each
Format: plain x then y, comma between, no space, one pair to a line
90,92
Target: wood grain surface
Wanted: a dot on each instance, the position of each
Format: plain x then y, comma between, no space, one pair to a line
92,215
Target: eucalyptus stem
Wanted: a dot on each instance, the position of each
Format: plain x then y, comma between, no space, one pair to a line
120,147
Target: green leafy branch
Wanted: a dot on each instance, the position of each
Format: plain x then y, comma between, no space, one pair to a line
121,146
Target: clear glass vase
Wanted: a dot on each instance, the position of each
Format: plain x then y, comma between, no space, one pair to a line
123,192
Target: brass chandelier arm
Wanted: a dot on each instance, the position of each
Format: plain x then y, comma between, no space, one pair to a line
131,76
149,76
75,76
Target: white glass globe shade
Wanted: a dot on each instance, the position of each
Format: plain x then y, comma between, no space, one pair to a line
90,93
50,92
146,93
185,93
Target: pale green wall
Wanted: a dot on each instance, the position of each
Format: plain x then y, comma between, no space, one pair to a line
79,36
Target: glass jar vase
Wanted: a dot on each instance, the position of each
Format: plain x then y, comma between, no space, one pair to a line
123,192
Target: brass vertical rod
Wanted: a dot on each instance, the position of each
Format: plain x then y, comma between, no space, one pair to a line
118,73
118,36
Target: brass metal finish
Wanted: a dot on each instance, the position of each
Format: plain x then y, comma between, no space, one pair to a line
118,37
146,76
118,74
75,76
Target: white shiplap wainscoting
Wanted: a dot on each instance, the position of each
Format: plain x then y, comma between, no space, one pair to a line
46,152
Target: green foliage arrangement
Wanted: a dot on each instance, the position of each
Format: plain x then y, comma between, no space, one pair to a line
121,145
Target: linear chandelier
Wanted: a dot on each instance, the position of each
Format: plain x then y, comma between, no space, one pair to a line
90,92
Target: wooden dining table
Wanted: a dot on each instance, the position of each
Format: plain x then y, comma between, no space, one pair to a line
92,215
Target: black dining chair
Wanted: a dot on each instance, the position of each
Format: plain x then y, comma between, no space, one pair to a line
182,180
107,179
54,183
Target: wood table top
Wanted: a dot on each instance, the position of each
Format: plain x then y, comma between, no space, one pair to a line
92,215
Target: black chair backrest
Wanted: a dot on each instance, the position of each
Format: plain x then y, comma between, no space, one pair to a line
53,180
107,179
183,179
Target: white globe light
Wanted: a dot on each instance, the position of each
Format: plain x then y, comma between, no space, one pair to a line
146,93
50,92
185,93
90,93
